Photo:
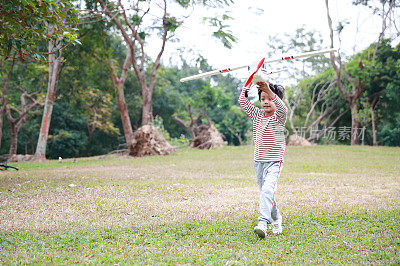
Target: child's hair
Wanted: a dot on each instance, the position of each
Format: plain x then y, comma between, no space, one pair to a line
275,88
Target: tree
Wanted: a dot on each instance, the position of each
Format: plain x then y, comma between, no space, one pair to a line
27,23
356,83
386,10
314,102
380,74
28,102
197,108
235,125
55,62
5,80
87,87
355,86
21,95
25,26
135,33
98,113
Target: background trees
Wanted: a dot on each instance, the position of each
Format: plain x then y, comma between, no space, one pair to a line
87,116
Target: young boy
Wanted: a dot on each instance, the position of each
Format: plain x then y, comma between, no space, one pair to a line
269,141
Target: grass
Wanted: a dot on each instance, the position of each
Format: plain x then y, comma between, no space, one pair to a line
340,206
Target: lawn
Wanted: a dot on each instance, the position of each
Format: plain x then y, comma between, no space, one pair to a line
340,204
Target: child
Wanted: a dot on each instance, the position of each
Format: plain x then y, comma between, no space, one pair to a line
269,141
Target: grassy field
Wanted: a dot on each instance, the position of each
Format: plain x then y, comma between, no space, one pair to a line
341,205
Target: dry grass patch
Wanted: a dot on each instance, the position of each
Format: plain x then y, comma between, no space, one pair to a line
198,186
199,207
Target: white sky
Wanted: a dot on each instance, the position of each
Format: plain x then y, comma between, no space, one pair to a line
255,20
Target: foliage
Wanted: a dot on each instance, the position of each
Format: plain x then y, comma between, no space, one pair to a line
86,96
222,33
171,98
378,77
235,125
26,23
66,144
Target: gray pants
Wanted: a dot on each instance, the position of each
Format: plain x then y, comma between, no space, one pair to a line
267,174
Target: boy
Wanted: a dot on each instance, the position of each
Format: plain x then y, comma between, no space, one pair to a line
269,141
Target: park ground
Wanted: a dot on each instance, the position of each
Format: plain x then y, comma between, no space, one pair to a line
341,205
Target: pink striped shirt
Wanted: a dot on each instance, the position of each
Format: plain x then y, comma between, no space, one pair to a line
268,131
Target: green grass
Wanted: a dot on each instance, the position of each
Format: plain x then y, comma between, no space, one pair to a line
340,206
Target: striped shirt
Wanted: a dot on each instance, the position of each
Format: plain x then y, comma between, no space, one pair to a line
268,131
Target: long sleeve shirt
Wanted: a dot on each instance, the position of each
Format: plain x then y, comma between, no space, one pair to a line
268,131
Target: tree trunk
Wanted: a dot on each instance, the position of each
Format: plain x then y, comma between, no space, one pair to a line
147,109
237,135
371,108
123,110
14,140
54,72
187,126
374,142
355,124
15,126
1,120
91,130
119,93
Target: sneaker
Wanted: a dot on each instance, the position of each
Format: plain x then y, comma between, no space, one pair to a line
260,230
277,226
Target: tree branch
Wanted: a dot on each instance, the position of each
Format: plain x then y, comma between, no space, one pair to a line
164,39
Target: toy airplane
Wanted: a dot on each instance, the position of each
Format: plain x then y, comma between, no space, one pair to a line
261,63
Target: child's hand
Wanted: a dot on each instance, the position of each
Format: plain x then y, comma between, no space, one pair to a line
263,86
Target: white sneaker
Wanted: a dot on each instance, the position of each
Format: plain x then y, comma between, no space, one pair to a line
260,230
277,226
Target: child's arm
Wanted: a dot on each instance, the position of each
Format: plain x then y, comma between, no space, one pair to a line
247,106
281,109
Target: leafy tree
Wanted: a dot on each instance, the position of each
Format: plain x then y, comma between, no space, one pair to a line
135,33
378,78
97,106
17,115
24,96
6,71
26,23
386,84
351,87
88,92
235,125
380,71
314,103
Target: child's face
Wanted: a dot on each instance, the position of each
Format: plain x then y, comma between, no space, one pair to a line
267,104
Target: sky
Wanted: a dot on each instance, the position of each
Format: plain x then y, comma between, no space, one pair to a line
255,20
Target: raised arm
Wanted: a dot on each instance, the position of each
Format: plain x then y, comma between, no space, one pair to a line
281,109
247,106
